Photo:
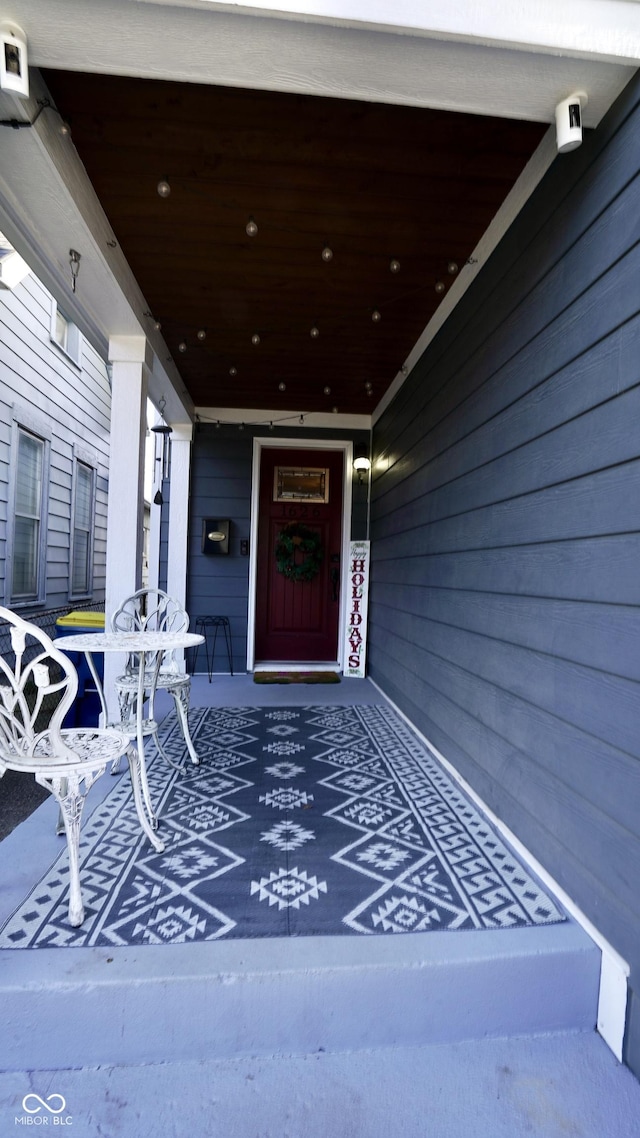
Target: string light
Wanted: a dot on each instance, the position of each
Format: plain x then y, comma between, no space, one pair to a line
163,188
251,228
327,254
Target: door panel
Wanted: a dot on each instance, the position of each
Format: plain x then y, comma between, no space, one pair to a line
298,620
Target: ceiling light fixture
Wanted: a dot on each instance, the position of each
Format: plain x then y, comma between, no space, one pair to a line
163,188
251,228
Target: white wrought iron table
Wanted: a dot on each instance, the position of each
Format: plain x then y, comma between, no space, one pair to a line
141,643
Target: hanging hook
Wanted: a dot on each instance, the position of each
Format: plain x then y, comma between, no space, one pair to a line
74,261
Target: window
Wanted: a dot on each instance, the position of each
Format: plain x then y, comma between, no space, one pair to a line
61,331
81,569
27,583
65,334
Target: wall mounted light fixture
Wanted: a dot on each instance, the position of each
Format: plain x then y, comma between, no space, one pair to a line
361,460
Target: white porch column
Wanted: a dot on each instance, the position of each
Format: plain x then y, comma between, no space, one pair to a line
156,511
179,511
131,358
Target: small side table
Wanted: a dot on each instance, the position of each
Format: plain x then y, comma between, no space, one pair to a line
206,624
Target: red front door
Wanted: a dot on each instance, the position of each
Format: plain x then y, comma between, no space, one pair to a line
297,605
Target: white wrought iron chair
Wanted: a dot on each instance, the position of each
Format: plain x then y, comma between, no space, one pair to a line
38,685
155,610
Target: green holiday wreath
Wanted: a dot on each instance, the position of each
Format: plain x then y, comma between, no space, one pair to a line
293,540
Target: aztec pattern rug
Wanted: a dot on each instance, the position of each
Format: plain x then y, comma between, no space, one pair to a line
298,821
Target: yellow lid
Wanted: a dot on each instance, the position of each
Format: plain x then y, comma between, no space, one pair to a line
90,620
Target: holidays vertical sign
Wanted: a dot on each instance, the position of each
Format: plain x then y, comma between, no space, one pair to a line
358,599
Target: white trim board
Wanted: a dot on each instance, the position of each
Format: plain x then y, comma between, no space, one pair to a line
614,970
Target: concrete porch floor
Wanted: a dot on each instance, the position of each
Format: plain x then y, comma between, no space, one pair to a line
414,1080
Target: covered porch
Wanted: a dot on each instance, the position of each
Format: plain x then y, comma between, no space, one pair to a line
500,509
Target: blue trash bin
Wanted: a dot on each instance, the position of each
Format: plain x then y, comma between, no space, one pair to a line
86,708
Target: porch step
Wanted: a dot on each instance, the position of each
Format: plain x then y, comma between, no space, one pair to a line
227,1000
551,1086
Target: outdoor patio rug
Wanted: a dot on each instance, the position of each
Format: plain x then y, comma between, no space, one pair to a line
296,678
298,822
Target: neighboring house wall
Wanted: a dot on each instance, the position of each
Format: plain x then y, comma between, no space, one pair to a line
221,488
44,390
504,606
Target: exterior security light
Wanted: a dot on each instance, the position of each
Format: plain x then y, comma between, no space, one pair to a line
569,122
14,69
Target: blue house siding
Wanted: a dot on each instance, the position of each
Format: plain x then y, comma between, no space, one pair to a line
221,488
505,592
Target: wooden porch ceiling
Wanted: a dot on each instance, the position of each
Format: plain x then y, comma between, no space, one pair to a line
375,183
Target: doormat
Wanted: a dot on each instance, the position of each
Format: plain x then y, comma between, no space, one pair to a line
305,821
296,678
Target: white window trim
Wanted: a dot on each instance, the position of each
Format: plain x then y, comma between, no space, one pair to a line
13,270
24,419
73,349
88,460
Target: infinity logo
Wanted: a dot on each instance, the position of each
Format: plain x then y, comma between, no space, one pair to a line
41,1102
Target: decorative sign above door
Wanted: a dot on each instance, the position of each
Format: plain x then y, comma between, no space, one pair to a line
306,484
